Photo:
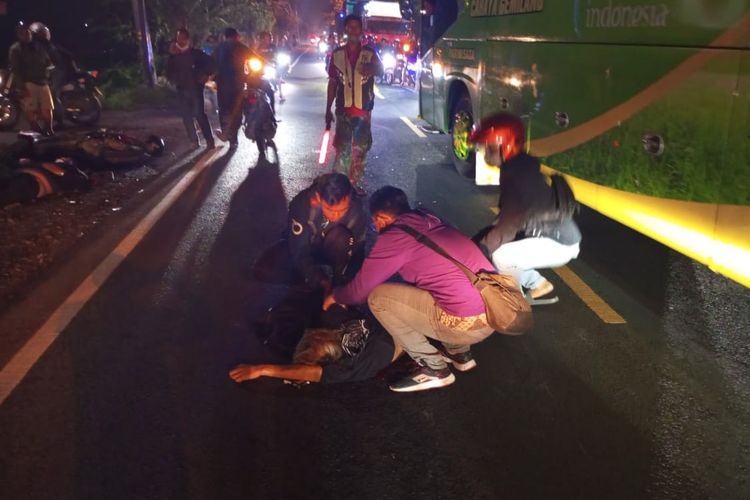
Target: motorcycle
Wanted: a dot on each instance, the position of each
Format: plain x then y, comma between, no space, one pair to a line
389,68
259,120
80,99
97,150
10,105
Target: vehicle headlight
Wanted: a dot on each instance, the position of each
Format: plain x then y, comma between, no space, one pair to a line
323,47
283,59
389,61
253,65
269,72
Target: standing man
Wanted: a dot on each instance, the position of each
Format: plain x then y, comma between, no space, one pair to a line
30,66
351,80
189,69
230,60
65,68
436,301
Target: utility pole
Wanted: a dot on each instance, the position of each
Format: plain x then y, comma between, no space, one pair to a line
143,36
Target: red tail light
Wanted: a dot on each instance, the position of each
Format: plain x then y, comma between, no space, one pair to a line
94,73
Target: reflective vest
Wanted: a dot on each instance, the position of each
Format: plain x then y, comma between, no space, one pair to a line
354,90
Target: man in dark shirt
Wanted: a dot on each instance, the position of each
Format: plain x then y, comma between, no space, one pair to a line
351,79
230,55
189,68
30,66
519,242
327,230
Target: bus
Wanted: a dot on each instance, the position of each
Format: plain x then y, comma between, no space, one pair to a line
642,104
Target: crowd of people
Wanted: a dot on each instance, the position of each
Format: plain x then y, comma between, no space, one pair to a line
412,291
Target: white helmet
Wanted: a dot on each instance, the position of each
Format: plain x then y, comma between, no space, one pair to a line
40,31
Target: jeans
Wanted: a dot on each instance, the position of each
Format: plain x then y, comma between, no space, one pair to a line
192,110
352,141
411,315
520,259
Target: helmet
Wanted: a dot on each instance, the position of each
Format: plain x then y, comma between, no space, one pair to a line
502,133
40,31
154,145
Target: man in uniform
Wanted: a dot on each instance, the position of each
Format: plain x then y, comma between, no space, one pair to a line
351,79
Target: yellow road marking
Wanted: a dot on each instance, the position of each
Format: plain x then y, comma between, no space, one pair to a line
16,369
589,297
413,127
378,93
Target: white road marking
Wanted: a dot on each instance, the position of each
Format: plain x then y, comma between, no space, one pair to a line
413,127
291,67
378,93
18,367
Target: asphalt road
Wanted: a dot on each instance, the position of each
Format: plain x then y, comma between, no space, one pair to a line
133,400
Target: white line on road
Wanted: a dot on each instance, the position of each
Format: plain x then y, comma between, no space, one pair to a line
378,93
413,127
291,67
16,369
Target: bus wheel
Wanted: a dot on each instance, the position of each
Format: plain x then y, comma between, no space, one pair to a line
461,122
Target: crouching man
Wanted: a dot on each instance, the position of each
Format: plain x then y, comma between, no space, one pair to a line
438,302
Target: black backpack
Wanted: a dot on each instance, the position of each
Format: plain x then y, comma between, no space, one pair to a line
560,207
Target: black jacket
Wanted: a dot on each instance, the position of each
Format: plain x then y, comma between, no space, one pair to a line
308,228
190,69
523,192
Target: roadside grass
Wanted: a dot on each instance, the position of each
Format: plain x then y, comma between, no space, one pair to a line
705,157
123,89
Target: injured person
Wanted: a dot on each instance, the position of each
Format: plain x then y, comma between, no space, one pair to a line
358,349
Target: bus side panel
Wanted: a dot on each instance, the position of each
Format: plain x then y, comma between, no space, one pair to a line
731,253
427,91
648,120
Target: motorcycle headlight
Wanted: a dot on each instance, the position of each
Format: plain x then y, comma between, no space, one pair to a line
283,59
269,72
253,65
323,47
389,61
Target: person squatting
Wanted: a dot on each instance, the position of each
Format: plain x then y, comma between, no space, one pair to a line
412,292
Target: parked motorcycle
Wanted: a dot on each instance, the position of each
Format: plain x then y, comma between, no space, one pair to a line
80,99
10,105
259,120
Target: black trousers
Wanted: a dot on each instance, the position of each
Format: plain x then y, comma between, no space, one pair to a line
192,110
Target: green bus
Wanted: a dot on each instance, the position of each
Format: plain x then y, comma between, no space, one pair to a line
642,104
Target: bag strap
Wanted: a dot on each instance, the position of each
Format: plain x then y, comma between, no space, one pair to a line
426,241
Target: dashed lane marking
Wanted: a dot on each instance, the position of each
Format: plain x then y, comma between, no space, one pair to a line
378,93
16,369
589,297
413,127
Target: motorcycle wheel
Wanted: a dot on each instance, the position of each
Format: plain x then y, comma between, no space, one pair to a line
10,112
90,111
389,78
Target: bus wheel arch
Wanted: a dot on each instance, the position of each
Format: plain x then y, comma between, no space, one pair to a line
461,120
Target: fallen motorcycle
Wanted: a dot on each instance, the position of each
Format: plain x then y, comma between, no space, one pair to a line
101,149
36,179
